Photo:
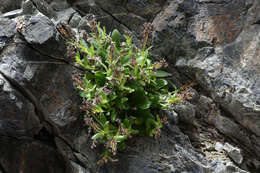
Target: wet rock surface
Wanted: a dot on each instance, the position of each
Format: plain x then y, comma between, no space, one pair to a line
213,44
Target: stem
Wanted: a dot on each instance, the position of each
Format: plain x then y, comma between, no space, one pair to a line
145,40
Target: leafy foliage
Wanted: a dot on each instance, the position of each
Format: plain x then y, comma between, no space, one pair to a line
122,89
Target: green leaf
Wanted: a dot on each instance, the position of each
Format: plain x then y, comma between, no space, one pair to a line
89,75
113,116
128,90
123,100
92,51
98,109
120,138
103,96
112,96
125,60
161,83
161,73
106,126
145,104
121,146
78,60
97,136
84,94
140,60
100,78
140,99
116,36
102,118
174,100
109,74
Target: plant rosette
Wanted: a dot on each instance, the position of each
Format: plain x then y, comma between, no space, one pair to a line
122,89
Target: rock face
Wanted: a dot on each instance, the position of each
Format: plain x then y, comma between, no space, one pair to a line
7,5
226,61
212,43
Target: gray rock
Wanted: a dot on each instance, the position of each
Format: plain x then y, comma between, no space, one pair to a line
74,22
3,40
59,5
256,163
29,8
40,30
145,9
219,146
83,24
44,8
194,96
65,16
11,14
167,154
172,117
216,43
39,116
120,14
7,30
234,153
219,166
7,27
29,75
226,125
78,169
186,112
35,6
207,110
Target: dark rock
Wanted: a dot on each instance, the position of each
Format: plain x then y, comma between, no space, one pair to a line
40,75
35,6
186,112
58,5
29,8
38,31
106,12
17,113
30,80
7,5
78,168
120,14
172,117
167,154
189,7
27,155
170,38
44,8
65,16
74,22
213,42
145,9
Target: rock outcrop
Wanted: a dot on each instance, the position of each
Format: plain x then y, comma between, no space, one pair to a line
213,45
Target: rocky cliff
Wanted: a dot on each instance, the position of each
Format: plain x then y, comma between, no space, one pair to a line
212,47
